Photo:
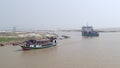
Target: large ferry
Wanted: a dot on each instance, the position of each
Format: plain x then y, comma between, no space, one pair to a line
89,31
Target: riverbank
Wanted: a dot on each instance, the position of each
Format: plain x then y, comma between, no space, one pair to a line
15,38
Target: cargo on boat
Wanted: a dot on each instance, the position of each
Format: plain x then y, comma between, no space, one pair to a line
38,44
88,31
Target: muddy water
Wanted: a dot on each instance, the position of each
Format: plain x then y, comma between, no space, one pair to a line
75,52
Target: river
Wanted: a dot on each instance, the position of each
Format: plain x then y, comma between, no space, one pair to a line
75,52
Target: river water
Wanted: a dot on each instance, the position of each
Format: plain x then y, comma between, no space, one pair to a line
75,52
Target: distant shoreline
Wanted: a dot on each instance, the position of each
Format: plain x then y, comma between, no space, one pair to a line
45,31
81,31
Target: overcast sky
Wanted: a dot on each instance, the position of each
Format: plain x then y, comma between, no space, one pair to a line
59,14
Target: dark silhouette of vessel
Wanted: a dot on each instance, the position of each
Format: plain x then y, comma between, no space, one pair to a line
89,31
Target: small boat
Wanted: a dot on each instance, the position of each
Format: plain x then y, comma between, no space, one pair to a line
38,44
88,31
1,44
64,36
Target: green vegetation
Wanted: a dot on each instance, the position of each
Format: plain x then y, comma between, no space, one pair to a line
8,39
7,34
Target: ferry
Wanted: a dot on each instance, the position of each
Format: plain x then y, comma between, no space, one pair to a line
38,44
89,31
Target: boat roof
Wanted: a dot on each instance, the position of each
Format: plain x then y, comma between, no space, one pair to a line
87,27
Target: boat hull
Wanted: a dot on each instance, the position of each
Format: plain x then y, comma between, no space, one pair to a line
29,48
90,35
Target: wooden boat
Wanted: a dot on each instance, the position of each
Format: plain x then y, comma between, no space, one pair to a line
38,44
88,31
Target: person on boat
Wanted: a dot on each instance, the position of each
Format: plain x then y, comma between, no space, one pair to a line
55,41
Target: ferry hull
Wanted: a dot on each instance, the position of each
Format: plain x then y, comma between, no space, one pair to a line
91,35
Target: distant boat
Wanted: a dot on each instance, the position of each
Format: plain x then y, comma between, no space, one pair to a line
64,36
38,44
88,31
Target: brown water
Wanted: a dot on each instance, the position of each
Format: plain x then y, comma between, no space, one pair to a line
76,52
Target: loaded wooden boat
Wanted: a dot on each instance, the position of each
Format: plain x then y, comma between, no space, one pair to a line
38,44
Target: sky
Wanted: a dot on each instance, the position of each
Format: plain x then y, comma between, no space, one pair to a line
59,14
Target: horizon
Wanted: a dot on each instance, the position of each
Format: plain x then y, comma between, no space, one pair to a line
112,29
